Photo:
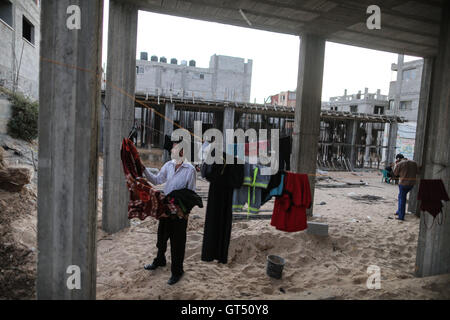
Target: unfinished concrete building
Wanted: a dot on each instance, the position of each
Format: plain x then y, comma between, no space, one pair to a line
369,135
345,142
409,89
19,43
226,78
369,103
404,98
68,181
336,151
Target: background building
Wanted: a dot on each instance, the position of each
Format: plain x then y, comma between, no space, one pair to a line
284,99
405,92
410,79
226,78
370,103
19,52
368,134
19,46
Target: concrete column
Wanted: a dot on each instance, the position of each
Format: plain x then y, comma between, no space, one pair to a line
120,90
352,128
228,120
218,120
148,131
142,127
433,250
168,126
69,112
368,141
424,101
392,142
385,137
308,104
228,123
159,124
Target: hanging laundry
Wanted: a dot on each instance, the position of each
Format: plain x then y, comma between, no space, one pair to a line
431,194
131,162
223,178
289,213
275,187
147,202
144,200
285,145
186,199
251,189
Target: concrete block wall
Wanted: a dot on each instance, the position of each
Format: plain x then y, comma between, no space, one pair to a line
14,49
233,80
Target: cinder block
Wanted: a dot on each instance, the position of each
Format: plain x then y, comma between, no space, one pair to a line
317,228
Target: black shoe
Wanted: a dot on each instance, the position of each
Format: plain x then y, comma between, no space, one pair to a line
153,266
399,219
174,279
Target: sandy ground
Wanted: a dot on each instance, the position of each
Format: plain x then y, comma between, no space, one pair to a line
18,220
361,233
334,267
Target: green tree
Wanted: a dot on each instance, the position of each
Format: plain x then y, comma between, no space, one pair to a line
23,123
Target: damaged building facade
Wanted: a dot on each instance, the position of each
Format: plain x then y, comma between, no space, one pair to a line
19,40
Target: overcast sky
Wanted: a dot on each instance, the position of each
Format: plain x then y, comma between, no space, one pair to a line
275,56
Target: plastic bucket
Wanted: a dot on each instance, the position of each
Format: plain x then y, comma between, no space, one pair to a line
275,266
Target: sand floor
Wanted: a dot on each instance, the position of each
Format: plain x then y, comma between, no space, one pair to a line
361,233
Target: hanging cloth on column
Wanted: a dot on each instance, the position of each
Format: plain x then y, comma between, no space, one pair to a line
289,213
431,194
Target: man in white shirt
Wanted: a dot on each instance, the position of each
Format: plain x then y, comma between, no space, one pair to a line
177,174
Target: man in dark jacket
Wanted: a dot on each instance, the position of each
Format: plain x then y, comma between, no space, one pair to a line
407,171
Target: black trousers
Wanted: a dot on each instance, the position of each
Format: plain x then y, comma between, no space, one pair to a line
175,230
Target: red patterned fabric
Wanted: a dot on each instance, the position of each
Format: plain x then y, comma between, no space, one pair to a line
289,213
130,159
144,201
